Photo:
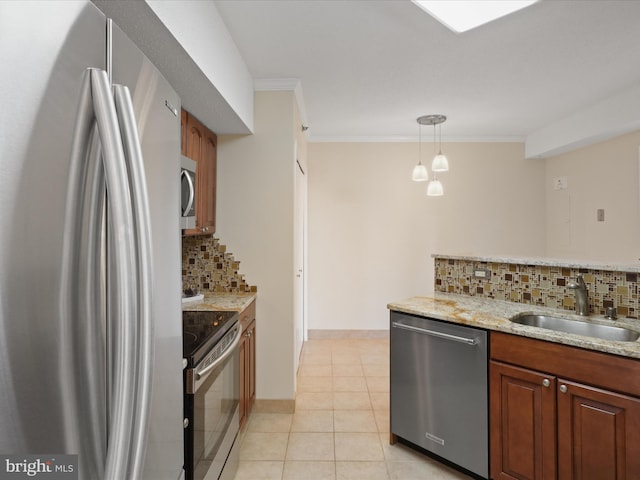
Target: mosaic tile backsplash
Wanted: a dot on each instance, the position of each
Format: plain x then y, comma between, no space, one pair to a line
539,285
208,267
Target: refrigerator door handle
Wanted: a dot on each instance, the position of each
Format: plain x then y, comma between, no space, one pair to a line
124,272
142,229
80,292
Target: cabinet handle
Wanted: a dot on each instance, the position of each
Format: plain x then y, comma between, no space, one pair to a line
563,388
546,382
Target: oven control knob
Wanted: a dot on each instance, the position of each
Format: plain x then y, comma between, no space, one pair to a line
185,422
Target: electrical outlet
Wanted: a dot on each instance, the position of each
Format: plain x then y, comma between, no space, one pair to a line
601,214
481,273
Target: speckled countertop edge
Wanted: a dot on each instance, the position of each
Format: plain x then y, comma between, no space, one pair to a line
495,314
550,262
220,302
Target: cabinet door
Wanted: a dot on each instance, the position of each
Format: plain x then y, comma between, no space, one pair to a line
247,353
251,359
195,140
183,132
523,419
201,147
242,353
208,182
598,434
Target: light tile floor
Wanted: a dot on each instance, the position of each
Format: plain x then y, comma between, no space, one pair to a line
340,428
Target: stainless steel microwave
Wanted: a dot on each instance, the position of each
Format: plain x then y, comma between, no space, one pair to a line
188,193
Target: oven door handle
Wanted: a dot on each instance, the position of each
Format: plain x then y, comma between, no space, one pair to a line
223,357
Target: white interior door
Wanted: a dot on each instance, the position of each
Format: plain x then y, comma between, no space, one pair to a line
300,333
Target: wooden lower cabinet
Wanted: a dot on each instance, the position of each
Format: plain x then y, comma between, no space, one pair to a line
598,433
545,427
523,423
247,352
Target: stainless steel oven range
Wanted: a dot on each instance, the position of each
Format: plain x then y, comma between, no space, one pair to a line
211,398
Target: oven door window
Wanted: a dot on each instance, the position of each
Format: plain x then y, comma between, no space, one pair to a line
214,405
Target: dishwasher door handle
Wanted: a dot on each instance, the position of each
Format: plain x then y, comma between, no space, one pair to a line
433,333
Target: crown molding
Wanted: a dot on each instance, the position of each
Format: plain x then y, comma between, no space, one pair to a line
275,84
412,139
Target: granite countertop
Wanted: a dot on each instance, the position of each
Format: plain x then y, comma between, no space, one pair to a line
495,314
549,262
220,302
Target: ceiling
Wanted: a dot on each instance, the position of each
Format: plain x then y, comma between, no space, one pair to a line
369,68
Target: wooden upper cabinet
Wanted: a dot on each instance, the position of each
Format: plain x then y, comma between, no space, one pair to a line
208,181
183,132
200,145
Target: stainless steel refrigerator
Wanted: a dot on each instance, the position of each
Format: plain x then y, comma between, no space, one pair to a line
90,320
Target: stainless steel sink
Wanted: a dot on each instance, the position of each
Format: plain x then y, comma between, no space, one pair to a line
604,332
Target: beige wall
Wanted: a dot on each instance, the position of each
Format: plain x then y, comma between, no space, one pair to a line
255,218
493,203
602,176
372,230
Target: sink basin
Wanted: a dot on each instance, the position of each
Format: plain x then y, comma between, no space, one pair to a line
604,332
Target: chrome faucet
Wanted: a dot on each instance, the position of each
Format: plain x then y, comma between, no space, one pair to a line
580,291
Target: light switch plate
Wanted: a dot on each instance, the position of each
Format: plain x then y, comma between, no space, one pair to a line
560,183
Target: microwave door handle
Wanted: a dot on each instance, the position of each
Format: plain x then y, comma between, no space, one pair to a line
142,230
122,266
186,175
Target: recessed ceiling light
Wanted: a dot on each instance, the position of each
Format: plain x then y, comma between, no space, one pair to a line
463,15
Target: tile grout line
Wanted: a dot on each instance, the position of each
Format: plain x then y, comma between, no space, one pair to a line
378,391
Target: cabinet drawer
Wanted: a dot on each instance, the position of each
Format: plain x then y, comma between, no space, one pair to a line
612,372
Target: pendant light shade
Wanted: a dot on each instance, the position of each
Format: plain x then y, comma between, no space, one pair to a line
420,173
434,189
440,163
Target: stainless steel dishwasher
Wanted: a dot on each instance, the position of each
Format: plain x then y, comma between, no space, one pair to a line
439,396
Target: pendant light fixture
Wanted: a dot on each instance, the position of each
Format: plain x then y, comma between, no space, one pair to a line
420,172
439,163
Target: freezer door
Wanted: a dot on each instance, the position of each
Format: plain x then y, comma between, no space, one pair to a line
157,108
52,380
